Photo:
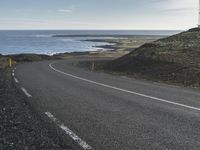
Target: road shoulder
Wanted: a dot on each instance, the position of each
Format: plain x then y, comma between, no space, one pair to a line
20,126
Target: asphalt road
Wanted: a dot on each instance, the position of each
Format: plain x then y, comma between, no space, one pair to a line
112,112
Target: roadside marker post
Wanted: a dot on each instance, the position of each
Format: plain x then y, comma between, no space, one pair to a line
10,62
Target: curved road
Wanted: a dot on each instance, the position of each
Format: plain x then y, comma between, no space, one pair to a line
111,112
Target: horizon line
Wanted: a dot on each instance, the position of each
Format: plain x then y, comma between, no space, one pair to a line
97,29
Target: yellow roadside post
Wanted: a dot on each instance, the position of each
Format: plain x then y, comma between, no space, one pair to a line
10,62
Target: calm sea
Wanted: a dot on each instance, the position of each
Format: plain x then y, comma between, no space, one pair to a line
43,42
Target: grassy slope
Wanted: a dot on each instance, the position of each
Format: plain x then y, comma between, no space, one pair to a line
174,59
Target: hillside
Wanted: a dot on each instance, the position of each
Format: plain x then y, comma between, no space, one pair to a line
173,59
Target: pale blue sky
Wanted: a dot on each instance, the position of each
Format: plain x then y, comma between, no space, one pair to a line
98,14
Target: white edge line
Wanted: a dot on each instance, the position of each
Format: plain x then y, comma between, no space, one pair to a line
123,90
82,143
16,80
25,92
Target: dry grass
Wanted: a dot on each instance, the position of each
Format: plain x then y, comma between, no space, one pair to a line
3,63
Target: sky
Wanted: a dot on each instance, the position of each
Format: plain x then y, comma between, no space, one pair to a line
99,14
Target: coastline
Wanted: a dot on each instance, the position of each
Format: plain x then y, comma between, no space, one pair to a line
115,48
53,42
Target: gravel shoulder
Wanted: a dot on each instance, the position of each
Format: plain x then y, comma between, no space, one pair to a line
20,126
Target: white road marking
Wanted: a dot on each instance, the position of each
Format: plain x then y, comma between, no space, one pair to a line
16,80
25,92
13,74
13,71
124,90
82,143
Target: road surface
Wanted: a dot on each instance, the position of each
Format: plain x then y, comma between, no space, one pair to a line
106,112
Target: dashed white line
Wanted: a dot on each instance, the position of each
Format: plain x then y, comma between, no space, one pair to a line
124,90
16,81
82,143
13,74
25,92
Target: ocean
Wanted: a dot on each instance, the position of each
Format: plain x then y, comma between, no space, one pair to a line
45,42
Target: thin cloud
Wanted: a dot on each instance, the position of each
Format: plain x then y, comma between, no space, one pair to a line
65,10
177,10
68,10
177,7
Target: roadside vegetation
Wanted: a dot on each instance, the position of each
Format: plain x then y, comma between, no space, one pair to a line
3,62
175,59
